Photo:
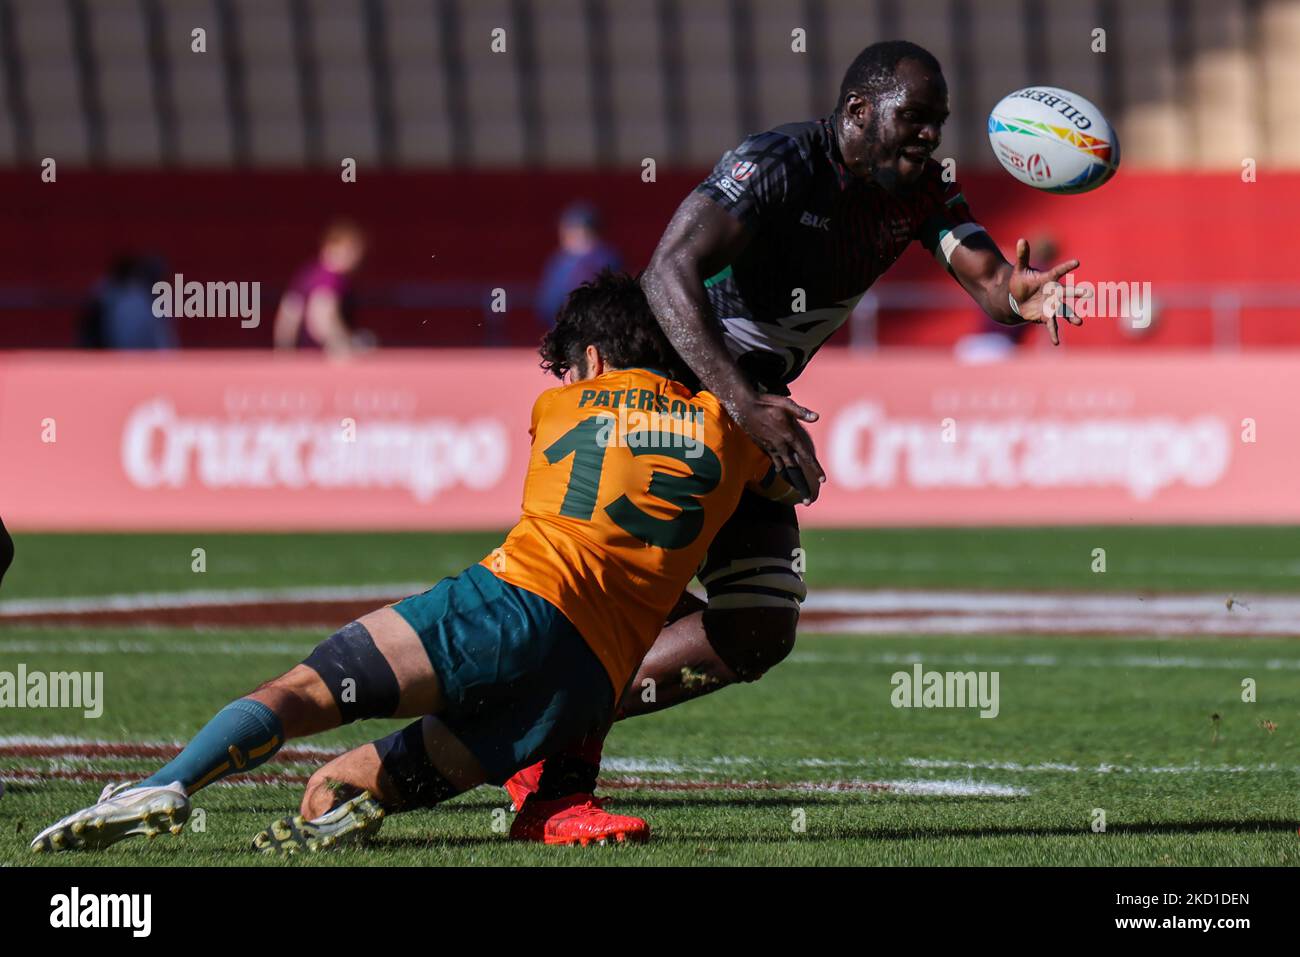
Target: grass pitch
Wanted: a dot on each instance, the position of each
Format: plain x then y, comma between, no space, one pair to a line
811,765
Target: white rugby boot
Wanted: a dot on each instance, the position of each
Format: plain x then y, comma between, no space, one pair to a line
124,810
352,821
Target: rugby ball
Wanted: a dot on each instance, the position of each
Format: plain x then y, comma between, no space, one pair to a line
1053,140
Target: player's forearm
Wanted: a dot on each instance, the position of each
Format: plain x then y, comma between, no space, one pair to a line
981,269
994,297
677,297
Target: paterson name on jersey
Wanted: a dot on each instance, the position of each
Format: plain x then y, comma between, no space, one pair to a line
819,237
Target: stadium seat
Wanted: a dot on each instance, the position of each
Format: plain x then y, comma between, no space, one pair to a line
119,42
713,121
420,110
1280,38
271,76
44,34
637,83
1221,86
203,128
564,83
8,143
1227,101
491,85
345,81
1153,128
998,34
783,78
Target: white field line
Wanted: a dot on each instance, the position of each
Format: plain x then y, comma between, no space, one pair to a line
837,601
91,747
919,788
81,761
970,612
884,611
151,601
1214,568
87,749
720,765
965,788
280,649
1062,624
1188,662
89,646
936,600
944,788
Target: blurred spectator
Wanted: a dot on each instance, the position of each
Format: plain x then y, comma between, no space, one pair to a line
316,311
581,255
992,340
120,312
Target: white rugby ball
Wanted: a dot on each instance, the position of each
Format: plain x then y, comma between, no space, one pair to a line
1053,140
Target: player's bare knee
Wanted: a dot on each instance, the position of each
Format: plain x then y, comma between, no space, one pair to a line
300,701
298,682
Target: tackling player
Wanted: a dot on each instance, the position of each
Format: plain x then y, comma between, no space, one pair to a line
824,207
630,476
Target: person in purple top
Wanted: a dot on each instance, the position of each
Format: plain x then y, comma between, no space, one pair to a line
316,310
582,254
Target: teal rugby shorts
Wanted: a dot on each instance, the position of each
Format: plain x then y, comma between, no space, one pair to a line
519,680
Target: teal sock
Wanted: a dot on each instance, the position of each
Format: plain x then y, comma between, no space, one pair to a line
243,735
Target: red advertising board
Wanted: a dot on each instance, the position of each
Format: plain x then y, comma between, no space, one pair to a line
1145,439
438,440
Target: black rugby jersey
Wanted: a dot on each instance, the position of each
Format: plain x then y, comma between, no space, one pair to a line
817,228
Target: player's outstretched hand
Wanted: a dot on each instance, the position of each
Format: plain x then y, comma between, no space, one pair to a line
773,421
1040,295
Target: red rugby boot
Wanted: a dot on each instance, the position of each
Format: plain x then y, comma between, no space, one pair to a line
523,783
575,819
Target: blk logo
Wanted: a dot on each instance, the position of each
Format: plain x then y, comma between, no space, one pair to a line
816,222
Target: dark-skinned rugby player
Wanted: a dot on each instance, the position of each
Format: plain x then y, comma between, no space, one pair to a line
821,210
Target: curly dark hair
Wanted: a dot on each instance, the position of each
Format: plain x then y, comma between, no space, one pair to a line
611,313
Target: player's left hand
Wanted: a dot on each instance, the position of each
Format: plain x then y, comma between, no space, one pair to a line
1040,295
